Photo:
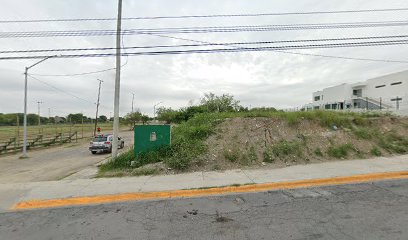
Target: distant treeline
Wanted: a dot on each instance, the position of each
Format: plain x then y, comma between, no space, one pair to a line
11,119
210,103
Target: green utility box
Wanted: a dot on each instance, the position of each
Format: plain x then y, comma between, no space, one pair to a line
149,137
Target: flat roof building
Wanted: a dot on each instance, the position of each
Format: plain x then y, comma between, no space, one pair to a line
388,92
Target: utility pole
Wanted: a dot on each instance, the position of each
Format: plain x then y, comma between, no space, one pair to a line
25,104
82,125
39,117
117,83
18,130
39,110
154,110
97,105
133,99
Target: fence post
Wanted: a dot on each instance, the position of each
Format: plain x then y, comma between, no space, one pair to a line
397,103
380,103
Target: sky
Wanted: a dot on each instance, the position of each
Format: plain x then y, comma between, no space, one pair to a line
274,79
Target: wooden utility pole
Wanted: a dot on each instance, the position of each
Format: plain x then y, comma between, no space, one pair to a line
97,106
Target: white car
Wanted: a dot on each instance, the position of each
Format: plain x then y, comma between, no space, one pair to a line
103,143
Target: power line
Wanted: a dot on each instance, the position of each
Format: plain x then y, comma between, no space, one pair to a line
212,29
72,75
201,44
63,91
206,16
223,50
294,53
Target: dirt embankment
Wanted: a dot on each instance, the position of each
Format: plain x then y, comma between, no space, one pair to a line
272,142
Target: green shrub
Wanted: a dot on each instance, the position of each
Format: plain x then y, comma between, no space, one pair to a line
121,162
340,151
375,151
249,157
284,148
268,156
318,152
362,133
232,154
281,149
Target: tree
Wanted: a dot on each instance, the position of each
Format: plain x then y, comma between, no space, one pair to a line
132,118
75,118
223,103
102,118
168,115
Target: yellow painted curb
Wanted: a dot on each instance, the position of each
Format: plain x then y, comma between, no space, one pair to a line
33,204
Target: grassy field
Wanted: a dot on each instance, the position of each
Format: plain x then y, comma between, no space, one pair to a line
85,130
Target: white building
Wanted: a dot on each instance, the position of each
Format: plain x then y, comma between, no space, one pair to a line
388,92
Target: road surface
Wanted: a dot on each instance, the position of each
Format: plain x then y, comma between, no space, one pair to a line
53,163
358,211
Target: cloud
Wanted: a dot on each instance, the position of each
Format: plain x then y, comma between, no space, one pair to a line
256,78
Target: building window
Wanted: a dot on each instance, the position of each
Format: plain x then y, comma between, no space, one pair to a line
396,83
380,86
317,98
358,92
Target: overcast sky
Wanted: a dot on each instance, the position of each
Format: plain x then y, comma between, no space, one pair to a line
256,79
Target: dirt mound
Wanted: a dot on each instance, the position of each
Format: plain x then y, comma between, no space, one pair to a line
273,142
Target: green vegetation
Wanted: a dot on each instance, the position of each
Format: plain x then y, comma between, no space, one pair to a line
393,143
340,151
197,123
318,152
362,133
249,156
232,154
282,149
375,151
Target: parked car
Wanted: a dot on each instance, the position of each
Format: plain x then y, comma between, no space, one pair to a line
103,143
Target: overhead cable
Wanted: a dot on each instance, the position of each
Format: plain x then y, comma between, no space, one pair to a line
205,16
223,50
196,30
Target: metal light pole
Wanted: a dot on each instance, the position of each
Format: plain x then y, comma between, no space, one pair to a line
117,83
154,110
25,105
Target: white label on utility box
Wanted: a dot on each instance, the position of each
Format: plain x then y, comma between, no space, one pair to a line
153,137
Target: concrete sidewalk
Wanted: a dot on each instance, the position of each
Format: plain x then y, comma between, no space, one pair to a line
11,194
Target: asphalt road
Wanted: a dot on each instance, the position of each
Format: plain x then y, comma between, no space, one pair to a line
53,163
360,211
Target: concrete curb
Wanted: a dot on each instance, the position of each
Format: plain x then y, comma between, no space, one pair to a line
35,204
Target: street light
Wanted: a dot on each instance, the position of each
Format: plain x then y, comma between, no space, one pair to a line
25,103
154,110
